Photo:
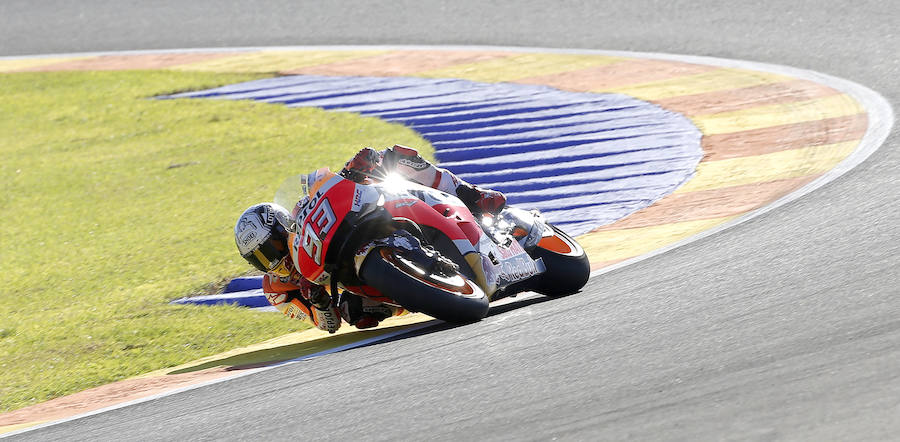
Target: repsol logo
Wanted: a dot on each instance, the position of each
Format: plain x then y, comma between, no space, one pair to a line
301,215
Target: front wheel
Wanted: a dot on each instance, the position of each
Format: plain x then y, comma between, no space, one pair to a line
567,264
443,294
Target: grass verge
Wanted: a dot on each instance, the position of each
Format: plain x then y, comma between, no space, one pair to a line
113,204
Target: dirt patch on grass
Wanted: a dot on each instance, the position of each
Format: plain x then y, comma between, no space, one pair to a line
107,396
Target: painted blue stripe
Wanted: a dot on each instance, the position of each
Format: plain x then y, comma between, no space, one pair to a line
250,298
568,121
579,170
243,284
583,159
402,110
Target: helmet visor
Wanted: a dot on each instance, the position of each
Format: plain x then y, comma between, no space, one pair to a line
270,255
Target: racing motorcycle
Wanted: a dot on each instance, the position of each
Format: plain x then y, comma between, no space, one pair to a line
421,249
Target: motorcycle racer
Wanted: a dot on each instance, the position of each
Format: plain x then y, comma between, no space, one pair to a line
261,235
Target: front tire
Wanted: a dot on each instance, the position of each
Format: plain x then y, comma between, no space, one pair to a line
442,295
568,268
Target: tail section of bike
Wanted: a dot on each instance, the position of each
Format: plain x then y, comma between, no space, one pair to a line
566,263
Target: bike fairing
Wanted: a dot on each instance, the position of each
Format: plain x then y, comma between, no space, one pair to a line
400,198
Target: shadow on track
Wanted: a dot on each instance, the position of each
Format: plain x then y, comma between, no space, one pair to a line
440,326
364,338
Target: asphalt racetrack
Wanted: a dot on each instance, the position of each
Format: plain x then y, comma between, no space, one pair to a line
784,327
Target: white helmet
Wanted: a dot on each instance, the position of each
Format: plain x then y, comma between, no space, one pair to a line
261,235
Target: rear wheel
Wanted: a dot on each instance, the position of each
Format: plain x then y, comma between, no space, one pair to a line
444,293
567,264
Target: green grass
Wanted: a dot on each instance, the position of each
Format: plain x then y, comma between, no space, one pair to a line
114,204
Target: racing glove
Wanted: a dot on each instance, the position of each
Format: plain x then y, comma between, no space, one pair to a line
363,164
298,298
325,316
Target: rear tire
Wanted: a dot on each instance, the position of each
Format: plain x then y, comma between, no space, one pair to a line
568,268
449,297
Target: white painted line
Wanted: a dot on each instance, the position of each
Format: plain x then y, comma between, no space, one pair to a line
881,120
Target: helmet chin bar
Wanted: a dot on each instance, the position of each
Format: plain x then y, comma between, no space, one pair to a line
283,269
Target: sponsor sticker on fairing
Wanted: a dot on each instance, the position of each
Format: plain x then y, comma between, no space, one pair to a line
515,264
518,268
491,274
361,255
357,199
323,279
362,196
514,249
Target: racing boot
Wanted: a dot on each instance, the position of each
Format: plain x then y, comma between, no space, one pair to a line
365,313
480,200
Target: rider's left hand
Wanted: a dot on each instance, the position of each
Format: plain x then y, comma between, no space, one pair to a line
365,161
